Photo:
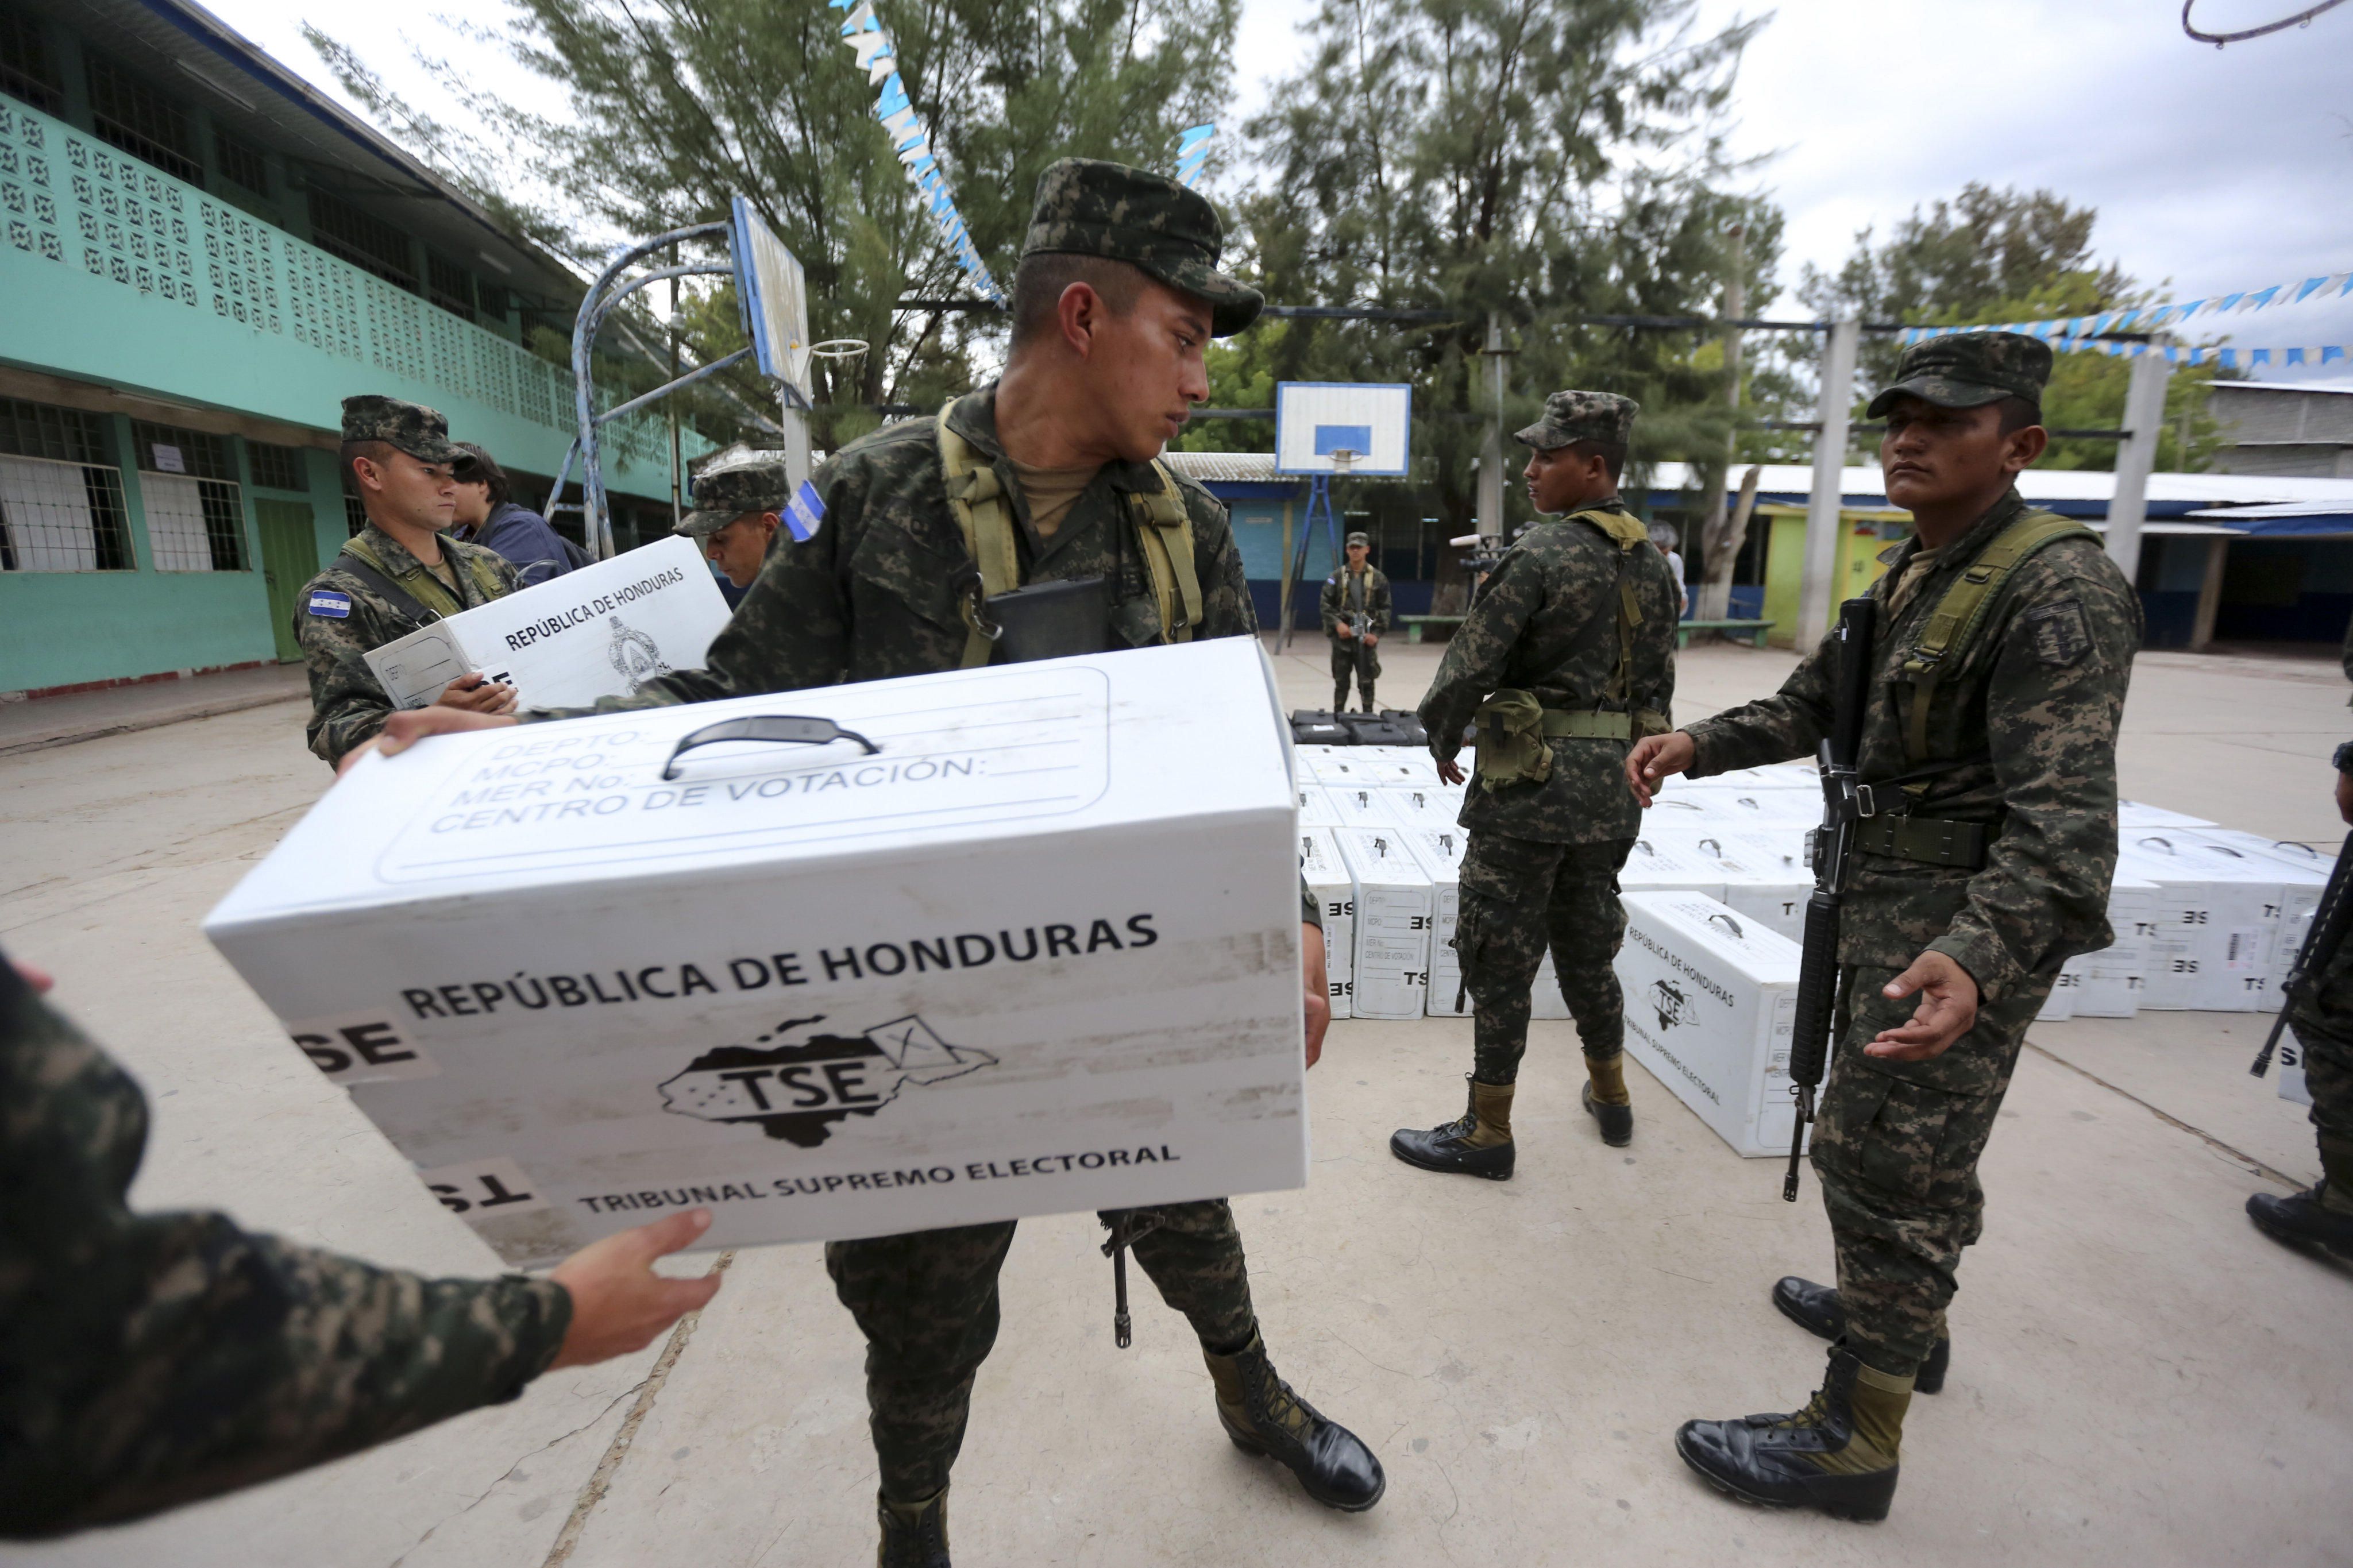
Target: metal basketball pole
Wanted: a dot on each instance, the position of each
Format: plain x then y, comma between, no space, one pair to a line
1319,495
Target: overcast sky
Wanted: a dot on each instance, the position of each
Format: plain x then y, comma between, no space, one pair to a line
2218,170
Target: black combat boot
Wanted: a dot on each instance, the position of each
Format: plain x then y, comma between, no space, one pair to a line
1838,1453
1264,1416
1815,1308
1606,1100
914,1534
2305,1221
1476,1143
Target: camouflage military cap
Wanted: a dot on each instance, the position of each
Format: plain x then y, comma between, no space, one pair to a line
1088,207
1966,370
732,482
409,427
1364,539
1582,416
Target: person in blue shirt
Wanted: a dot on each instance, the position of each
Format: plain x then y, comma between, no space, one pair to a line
489,516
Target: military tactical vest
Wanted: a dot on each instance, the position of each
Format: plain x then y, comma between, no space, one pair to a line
1164,529
1514,728
437,601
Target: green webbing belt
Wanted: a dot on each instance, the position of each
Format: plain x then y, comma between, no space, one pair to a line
1164,527
1930,841
1602,724
1961,613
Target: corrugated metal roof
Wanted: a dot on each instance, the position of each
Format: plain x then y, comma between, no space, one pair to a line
1231,467
2049,485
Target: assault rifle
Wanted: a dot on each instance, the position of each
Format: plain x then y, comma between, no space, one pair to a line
1829,847
2331,920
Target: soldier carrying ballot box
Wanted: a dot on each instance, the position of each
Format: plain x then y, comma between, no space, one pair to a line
402,570
1032,518
1567,656
1980,837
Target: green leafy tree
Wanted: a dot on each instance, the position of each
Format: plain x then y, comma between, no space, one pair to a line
1538,162
677,106
1988,256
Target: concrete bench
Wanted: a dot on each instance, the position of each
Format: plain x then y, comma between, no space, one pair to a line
1414,624
1753,630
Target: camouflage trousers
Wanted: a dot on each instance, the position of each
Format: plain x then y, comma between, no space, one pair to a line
1897,1149
1519,897
2328,1075
1353,657
927,1303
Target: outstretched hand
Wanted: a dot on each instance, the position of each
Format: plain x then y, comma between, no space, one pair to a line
405,728
1317,979
618,1303
1450,770
1948,1010
1654,757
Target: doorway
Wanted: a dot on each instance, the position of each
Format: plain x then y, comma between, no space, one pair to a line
290,558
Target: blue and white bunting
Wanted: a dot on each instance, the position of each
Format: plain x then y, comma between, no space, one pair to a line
2170,317
863,32
1192,153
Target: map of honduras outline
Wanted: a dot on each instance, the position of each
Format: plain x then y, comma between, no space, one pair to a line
797,1092
1669,1002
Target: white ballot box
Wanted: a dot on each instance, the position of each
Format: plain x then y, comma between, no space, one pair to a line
2140,816
1315,808
1401,764
1344,765
1025,941
2109,983
1670,864
1439,850
1361,805
1328,883
603,630
1393,919
2304,877
2294,1086
1711,1000
2218,915
1435,806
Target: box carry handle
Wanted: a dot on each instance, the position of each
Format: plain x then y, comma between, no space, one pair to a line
783,728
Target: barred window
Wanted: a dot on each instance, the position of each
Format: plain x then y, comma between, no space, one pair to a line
194,525
27,71
61,517
452,285
277,467
131,115
240,162
355,514
362,238
168,449
491,298
39,430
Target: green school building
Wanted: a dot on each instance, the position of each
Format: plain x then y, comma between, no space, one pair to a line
202,257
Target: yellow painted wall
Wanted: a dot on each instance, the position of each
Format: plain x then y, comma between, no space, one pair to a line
1862,535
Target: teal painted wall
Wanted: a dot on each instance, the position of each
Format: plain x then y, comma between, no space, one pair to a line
115,274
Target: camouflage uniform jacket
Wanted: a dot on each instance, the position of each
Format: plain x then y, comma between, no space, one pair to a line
151,1360
1346,592
1546,622
2032,711
347,703
866,596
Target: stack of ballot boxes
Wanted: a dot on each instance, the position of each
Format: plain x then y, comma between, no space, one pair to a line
1326,872
582,973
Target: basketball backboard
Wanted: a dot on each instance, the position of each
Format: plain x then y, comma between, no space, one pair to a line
774,294
1361,428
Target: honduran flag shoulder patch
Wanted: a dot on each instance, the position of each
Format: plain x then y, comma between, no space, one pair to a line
805,513
330,603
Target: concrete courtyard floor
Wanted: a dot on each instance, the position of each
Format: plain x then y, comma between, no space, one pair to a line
2138,1377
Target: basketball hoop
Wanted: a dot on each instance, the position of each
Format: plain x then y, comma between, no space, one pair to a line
2301,19
1342,460
838,349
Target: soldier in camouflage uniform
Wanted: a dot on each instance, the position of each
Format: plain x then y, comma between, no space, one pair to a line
1116,295
2321,1220
1985,867
1567,656
740,495
151,1360
404,564
1357,589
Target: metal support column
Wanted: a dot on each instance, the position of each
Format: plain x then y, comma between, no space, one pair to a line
1816,591
1491,451
2136,458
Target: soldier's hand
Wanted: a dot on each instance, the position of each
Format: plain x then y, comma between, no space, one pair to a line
40,980
404,730
1948,1006
618,1303
477,693
1319,988
1450,770
1372,639
1655,757
2345,796
1346,631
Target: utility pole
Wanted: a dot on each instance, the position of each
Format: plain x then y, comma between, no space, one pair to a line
1491,453
1816,591
2136,458
677,469
1717,552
